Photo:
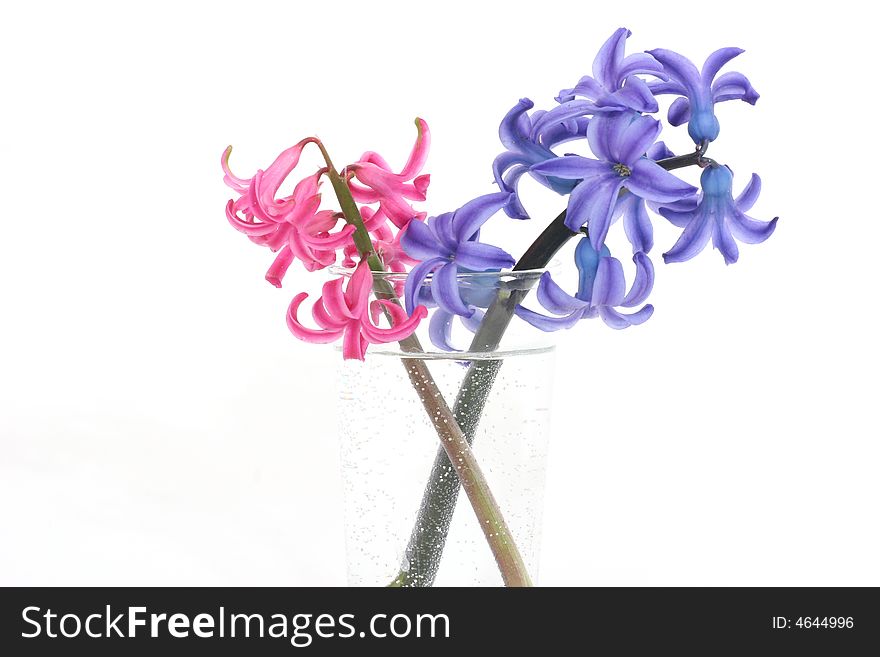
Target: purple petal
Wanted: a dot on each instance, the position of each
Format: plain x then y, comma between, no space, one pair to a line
480,257
506,161
468,219
573,167
643,282
444,286
548,324
604,133
640,63
609,287
554,299
659,151
510,131
609,59
473,322
694,238
724,242
679,111
635,140
571,109
636,223
415,279
679,69
667,87
654,183
749,195
748,230
421,243
564,132
715,61
587,87
634,95
592,202
440,330
734,86
618,320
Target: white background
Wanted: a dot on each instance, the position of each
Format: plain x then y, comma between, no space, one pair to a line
159,425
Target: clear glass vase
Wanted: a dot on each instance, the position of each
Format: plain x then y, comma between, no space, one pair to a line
406,521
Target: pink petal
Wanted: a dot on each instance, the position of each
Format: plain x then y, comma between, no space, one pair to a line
233,181
357,293
303,333
279,266
334,300
354,347
419,153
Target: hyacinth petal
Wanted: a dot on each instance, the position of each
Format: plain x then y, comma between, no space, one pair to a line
357,292
749,195
724,242
659,151
636,223
678,67
548,324
330,240
618,320
440,330
643,282
635,94
748,230
694,238
573,167
564,131
510,183
679,111
473,322
416,278
324,320
667,87
509,131
734,86
571,109
715,61
592,203
468,219
279,266
231,180
354,347
421,243
333,299
556,300
654,183
281,168
304,333
587,87
481,257
635,140
401,325
640,63
609,287
604,135
609,59
503,163
419,154
444,287
247,227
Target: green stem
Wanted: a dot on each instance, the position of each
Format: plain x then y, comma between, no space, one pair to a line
454,444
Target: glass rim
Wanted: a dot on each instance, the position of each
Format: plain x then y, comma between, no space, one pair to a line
505,274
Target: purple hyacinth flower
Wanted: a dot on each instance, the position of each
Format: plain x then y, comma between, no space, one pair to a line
447,244
601,289
527,146
620,142
716,214
700,90
614,85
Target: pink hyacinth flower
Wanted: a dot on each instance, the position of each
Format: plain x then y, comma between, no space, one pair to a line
348,314
379,184
293,226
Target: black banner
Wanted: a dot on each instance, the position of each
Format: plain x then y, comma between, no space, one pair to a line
289,621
